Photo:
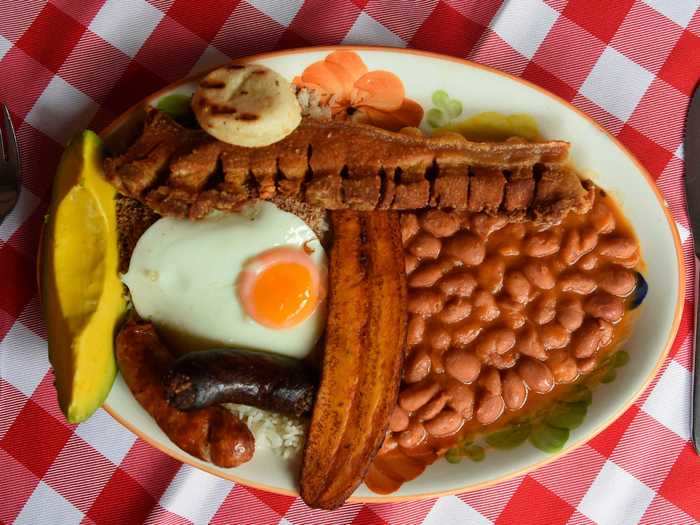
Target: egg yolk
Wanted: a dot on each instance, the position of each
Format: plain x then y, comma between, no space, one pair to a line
280,288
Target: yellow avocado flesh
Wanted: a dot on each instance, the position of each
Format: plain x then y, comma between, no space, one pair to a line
82,295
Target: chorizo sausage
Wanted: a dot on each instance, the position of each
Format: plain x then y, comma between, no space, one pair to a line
212,434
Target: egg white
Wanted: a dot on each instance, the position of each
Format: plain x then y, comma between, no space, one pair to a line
182,276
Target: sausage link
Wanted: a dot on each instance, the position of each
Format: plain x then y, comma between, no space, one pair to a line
211,434
228,375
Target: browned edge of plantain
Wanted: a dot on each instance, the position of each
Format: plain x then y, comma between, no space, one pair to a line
363,355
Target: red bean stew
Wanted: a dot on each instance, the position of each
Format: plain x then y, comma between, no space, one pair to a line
500,314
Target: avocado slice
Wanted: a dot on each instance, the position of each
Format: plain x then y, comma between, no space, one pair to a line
82,296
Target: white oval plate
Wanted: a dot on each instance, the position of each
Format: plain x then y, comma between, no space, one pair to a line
594,151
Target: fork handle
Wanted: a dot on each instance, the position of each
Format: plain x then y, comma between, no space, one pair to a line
695,401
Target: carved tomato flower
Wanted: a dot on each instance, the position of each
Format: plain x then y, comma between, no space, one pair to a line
352,92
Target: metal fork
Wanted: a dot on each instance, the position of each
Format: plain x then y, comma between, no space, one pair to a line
9,165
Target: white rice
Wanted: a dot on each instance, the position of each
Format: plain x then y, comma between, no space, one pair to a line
284,435
312,105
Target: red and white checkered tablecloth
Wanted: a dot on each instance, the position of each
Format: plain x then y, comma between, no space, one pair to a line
67,64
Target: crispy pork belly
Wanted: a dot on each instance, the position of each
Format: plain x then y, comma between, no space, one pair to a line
339,165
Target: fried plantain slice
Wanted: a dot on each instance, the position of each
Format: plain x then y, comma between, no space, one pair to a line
363,355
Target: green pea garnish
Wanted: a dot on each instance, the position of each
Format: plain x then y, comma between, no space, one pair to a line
453,455
567,415
509,437
548,438
579,394
620,358
609,376
476,453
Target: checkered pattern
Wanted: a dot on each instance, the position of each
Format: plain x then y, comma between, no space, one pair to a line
65,65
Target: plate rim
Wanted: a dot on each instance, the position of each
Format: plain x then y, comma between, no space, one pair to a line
186,459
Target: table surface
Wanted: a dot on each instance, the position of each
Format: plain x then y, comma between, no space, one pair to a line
66,65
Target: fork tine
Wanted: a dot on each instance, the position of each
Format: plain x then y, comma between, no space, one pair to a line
11,138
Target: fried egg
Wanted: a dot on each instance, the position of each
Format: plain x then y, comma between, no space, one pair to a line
253,279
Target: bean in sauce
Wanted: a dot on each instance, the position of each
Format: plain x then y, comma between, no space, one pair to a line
490,408
499,315
463,365
544,309
460,282
467,247
490,274
432,408
514,390
425,246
